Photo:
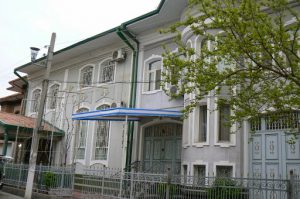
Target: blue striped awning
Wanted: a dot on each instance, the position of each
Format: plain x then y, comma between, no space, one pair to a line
120,114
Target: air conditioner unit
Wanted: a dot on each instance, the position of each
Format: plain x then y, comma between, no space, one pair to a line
119,55
118,105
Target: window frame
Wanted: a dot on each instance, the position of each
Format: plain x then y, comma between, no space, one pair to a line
34,102
200,163
226,164
147,62
81,84
232,136
100,67
95,137
78,129
51,98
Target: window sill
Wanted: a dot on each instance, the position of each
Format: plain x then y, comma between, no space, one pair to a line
185,146
200,144
84,88
151,92
225,144
105,83
103,162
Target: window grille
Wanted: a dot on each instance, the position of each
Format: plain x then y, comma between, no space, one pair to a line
82,131
86,76
107,72
282,121
102,137
53,96
36,96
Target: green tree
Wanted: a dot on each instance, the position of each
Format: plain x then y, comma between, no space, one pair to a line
249,51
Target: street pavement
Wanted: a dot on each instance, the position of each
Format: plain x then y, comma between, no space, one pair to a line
4,195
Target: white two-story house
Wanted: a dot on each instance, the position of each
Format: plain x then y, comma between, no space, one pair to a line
121,68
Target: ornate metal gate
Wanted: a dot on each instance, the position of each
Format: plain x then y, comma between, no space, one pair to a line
162,148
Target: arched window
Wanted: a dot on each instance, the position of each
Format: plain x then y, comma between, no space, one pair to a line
36,96
107,71
81,131
53,93
153,75
101,137
86,76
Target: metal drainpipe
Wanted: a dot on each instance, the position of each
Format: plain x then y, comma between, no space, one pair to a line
122,31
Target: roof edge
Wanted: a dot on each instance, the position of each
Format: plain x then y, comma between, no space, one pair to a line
72,46
144,16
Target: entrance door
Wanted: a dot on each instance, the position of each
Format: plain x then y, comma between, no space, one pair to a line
162,148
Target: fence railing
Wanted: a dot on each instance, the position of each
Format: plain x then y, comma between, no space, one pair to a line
53,180
114,183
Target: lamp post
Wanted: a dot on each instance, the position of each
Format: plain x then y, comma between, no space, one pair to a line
35,136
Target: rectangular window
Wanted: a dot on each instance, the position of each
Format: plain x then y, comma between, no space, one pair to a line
224,171
82,139
153,76
199,171
157,79
107,71
202,123
185,173
86,76
224,125
102,135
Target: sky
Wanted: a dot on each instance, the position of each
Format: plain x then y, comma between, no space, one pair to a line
26,23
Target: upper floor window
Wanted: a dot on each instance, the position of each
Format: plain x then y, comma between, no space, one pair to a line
107,71
82,132
86,76
224,125
153,75
36,96
53,94
101,137
202,123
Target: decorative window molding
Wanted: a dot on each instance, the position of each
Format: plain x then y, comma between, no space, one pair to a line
82,129
225,165
53,96
152,74
101,137
86,76
196,173
107,70
35,100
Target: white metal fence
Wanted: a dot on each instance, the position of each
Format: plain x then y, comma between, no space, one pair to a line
114,183
52,180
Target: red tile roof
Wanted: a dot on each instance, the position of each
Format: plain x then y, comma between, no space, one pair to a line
23,121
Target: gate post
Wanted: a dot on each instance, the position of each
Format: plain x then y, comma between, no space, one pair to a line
291,186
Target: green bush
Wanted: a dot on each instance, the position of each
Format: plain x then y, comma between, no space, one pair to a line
49,179
225,188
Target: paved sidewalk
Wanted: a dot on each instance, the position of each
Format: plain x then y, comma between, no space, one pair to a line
4,195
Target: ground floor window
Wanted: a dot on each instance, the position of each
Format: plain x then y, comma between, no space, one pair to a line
224,171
